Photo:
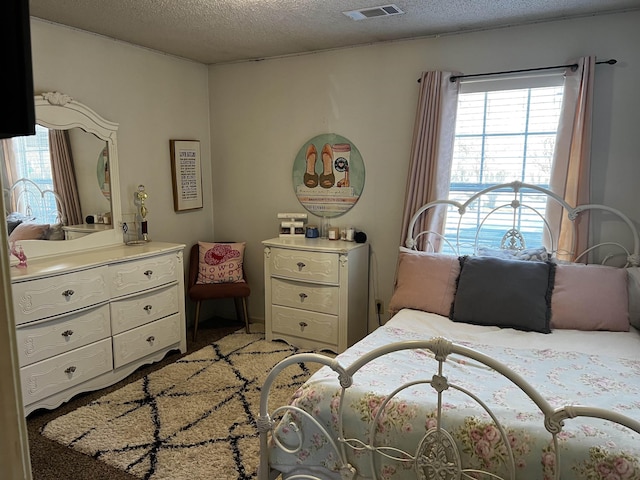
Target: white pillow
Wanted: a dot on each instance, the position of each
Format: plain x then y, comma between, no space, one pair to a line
537,254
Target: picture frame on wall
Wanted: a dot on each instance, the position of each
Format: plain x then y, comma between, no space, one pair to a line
186,174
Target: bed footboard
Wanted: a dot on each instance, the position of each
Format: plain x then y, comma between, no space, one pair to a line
339,427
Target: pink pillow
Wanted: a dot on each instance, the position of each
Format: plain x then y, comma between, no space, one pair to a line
633,278
425,281
590,297
29,231
220,262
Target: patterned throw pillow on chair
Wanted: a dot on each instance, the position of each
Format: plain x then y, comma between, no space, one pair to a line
220,262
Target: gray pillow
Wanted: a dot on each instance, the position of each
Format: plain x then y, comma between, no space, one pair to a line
11,225
504,293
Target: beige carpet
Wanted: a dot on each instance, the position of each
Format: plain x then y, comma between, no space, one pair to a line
192,419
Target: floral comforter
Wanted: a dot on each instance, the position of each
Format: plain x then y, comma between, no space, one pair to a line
589,448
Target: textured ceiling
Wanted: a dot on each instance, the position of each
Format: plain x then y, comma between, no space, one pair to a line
223,31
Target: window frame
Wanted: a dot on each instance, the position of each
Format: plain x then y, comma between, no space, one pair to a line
460,191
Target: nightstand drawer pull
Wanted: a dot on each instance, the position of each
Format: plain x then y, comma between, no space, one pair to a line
300,265
68,293
302,326
70,370
147,308
302,297
151,339
148,273
67,333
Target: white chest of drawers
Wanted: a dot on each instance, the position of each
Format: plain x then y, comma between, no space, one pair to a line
316,292
88,320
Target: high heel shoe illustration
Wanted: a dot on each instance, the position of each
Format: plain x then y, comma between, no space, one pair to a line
310,175
327,178
345,181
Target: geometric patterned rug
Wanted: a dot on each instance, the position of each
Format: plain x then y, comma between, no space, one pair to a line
193,419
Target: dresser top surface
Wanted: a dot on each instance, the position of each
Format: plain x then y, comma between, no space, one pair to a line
58,264
87,227
314,244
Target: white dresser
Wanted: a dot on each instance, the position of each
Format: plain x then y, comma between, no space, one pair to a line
87,320
316,292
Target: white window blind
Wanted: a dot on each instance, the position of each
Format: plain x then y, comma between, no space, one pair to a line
33,161
505,131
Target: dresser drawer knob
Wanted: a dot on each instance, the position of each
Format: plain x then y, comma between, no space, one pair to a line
68,293
70,370
302,326
151,339
302,296
147,308
300,265
67,333
148,273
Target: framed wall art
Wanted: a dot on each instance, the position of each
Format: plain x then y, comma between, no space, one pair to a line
328,175
186,174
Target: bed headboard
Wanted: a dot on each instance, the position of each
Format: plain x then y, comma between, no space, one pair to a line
26,202
478,222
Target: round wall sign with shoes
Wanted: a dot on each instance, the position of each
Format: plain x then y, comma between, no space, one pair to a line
328,175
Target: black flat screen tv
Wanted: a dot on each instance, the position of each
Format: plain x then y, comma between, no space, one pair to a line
17,111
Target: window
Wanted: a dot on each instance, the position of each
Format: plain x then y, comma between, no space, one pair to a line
33,161
505,131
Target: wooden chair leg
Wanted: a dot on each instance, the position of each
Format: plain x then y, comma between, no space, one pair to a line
195,323
241,311
246,315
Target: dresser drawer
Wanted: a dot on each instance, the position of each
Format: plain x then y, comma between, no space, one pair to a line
318,327
47,297
308,296
58,373
131,312
131,277
145,340
304,265
60,335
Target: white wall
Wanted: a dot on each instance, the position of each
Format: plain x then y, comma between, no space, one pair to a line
263,112
154,98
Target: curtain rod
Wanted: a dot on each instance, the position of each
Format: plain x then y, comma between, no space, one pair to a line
573,66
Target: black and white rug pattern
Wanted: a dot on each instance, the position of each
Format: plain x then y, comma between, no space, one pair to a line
192,419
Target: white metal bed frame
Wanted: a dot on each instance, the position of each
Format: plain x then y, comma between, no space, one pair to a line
513,238
28,197
437,455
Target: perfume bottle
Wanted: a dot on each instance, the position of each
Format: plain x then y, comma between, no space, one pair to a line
18,252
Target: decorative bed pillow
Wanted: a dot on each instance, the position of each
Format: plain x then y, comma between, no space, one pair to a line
29,231
16,218
633,278
504,293
220,262
425,281
538,254
590,297
54,232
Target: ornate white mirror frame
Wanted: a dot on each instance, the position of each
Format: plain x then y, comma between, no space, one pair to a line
56,110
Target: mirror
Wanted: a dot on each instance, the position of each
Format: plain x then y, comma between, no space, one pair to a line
95,161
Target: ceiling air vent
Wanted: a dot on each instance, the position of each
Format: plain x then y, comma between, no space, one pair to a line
374,12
